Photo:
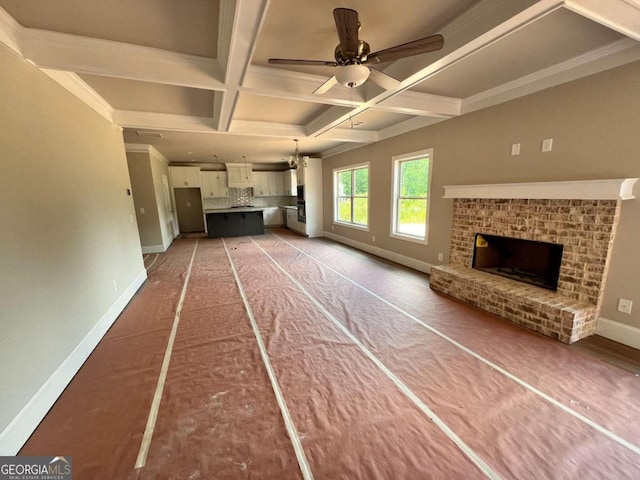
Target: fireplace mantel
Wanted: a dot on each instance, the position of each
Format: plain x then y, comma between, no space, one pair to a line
609,189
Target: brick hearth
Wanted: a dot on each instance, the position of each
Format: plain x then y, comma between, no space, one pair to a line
586,228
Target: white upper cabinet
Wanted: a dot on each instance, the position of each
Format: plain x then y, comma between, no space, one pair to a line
268,184
290,183
239,175
183,177
300,174
214,184
276,185
260,184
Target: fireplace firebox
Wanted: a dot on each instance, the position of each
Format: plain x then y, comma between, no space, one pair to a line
533,262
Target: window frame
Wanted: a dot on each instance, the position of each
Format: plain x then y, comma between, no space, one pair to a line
336,171
396,160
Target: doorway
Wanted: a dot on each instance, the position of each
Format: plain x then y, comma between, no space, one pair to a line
189,209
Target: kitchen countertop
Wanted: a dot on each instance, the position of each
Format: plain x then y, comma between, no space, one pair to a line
234,210
291,207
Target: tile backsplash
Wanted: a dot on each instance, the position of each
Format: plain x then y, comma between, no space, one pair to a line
244,196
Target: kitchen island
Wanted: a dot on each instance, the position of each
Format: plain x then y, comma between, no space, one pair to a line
234,221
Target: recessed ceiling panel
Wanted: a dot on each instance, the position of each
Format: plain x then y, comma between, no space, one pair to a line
186,27
374,120
555,38
152,97
175,146
270,109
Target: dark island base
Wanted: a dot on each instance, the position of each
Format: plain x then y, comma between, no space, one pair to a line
235,224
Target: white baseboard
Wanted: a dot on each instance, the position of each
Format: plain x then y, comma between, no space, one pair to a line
13,437
618,332
380,252
167,243
154,249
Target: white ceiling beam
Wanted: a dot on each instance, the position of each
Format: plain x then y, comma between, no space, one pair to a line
266,129
619,15
240,24
350,135
330,118
422,104
286,130
62,51
163,121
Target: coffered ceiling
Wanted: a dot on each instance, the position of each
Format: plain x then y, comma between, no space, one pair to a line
193,78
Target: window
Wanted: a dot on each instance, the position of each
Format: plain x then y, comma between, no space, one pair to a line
351,193
411,185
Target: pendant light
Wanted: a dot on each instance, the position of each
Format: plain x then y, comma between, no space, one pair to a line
295,161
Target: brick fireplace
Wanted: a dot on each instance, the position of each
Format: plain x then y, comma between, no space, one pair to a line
580,216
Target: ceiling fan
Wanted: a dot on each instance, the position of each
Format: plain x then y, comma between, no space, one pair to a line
353,56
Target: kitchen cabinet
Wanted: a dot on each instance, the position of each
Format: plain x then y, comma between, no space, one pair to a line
260,184
293,223
272,216
185,177
239,175
276,185
300,174
268,184
290,183
234,224
214,184
312,177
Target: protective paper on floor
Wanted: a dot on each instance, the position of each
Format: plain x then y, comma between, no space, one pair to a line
219,417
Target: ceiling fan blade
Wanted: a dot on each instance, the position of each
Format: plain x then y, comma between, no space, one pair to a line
382,79
347,25
423,45
289,61
324,88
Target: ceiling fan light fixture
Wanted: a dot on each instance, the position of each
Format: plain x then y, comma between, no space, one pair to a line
352,75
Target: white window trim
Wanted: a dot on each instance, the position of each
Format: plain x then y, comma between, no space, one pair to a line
395,161
364,228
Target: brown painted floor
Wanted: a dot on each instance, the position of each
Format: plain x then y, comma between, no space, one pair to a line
286,357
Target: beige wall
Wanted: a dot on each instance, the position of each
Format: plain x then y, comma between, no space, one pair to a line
594,122
66,233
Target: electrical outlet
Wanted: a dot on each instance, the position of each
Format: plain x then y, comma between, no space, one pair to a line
142,210
547,144
115,286
373,238
624,306
440,257
515,149
130,218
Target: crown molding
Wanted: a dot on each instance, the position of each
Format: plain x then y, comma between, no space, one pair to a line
145,148
78,87
408,125
10,32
